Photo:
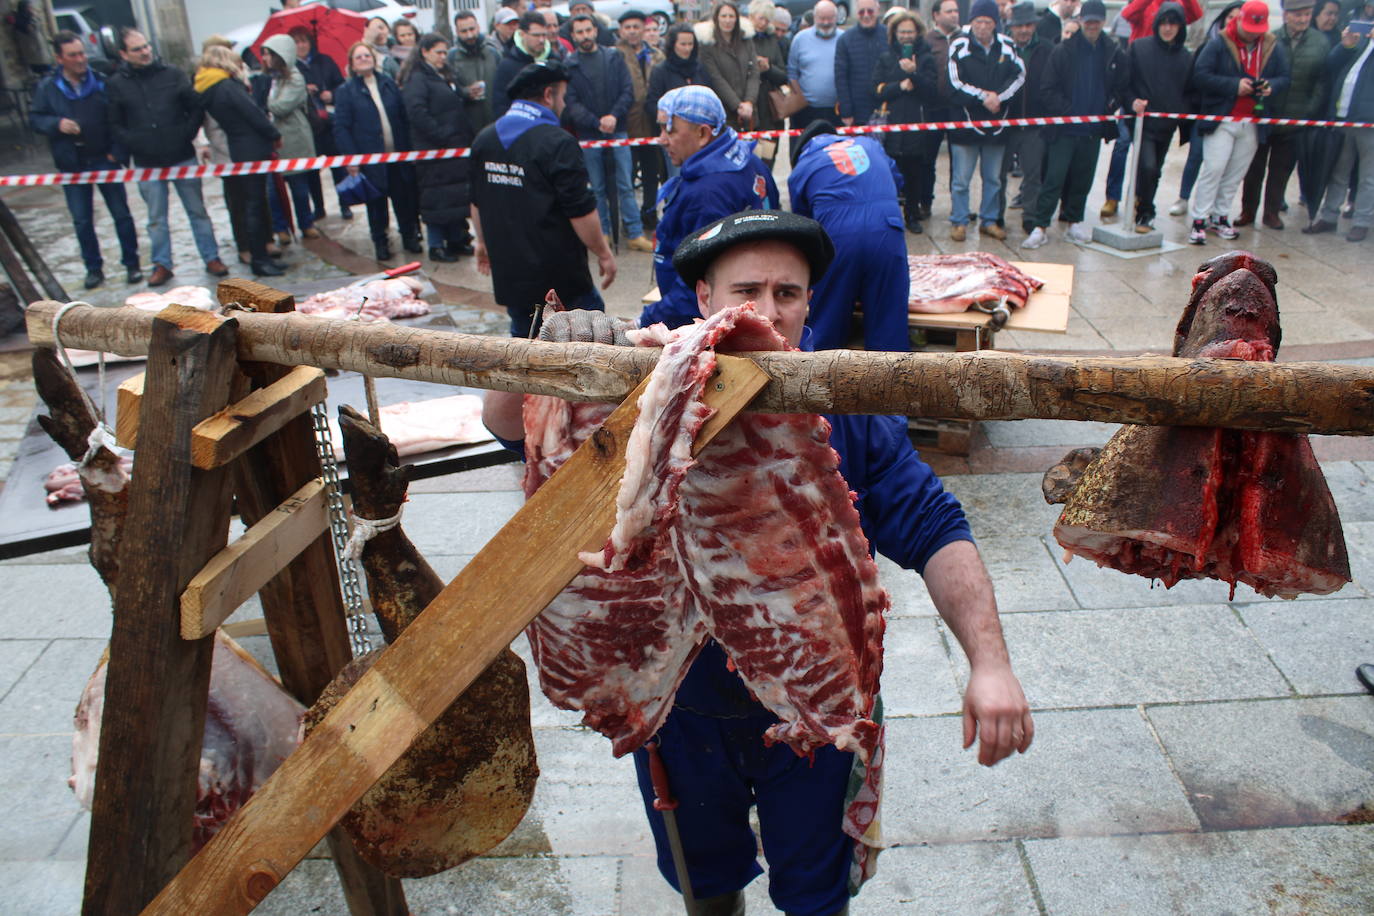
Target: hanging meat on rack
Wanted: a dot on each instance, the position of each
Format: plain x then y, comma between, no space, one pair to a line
1173,503
467,780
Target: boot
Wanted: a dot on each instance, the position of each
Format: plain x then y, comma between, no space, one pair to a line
731,904
1247,218
441,255
382,249
412,244
266,267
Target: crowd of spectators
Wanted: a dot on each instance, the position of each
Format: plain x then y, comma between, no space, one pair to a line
400,91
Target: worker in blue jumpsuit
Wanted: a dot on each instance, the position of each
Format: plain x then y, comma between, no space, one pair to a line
720,175
849,185
712,741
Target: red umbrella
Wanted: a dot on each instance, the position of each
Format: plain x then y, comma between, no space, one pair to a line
334,30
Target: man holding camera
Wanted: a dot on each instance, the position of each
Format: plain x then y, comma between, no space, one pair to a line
1234,74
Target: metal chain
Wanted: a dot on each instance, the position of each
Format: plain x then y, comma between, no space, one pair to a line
338,529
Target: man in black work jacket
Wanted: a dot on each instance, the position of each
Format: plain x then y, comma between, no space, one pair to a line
533,212
154,114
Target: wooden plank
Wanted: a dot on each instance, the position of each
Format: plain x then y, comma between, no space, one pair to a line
220,439
1046,310
524,566
238,571
127,396
1297,397
302,605
156,682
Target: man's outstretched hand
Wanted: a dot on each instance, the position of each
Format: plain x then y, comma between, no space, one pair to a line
995,708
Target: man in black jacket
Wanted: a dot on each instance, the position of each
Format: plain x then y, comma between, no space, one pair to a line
1027,144
154,114
1061,15
1087,75
599,98
69,107
1351,71
1159,80
531,44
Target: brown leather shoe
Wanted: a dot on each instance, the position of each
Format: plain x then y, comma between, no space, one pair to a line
958,232
1272,221
1247,218
311,233
217,268
160,275
992,230
1319,227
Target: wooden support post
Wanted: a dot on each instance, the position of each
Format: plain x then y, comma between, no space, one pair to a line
157,683
302,605
514,577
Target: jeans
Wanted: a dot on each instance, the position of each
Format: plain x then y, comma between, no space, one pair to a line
522,317
624,187
154,194
299,187
962,159
1355,143
1116,172
1191,167
1226,155
81,205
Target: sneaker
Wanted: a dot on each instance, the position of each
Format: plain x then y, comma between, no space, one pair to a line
1079,232
1179,208
1108,212
994,231
1198,234
958,232
1222,227
1036,239
640,243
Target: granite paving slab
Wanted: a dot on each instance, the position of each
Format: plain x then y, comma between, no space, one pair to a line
1316,644
37,808
906,588
1068,433
48,692
1271,763
80,608
454,523
15,657
1135,655
1288,872
42,888
1088,772
917,677
1024,576
998,505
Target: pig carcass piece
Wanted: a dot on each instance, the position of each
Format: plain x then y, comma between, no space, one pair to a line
755,543
1174,503
953,282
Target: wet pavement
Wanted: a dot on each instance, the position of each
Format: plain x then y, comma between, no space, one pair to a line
1193,754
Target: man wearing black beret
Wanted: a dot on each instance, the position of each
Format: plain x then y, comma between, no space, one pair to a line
712,742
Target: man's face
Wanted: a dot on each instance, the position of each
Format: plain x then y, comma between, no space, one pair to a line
72,59
651,32
825,18
906,33
584,36
868,13
1092,28
683,138
467,31
781,30
1297,21
506,30
982,28
947,15
302,48
377,32
1004,7
632,32
1021,34
578,9
772,275
535,39
136,52
555,98
1168,30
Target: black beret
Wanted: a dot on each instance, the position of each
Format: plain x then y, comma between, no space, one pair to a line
632,14
694,256
813,130
534,77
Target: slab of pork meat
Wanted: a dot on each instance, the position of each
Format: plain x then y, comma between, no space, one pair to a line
1174,503
953,282
377,300
755,543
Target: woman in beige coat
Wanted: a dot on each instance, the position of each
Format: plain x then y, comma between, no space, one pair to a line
286,102
727,53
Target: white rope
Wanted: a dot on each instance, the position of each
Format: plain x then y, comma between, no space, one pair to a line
101,436
364,530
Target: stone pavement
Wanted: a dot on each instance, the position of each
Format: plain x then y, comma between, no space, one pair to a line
1193,754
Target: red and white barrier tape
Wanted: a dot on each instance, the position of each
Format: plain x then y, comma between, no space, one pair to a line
312,163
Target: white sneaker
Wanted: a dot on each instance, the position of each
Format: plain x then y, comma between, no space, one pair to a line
1036,239
1080,233
1179,208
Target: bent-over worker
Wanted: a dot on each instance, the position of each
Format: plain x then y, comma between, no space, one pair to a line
533,209
712,741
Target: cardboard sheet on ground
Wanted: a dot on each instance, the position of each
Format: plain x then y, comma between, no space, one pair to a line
1046,310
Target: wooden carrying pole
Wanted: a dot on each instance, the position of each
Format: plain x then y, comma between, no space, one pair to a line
982,385
520,570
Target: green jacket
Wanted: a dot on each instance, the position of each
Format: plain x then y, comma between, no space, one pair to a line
1307,93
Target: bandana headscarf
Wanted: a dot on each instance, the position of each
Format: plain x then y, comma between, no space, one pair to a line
693,103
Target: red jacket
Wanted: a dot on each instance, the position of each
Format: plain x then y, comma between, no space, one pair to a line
1141,15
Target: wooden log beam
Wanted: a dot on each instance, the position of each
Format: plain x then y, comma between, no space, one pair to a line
514,577
984,385
157,683
238,571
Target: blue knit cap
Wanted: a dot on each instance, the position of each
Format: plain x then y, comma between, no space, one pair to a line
986,8
696,104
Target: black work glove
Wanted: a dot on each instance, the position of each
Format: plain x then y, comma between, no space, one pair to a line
586,326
